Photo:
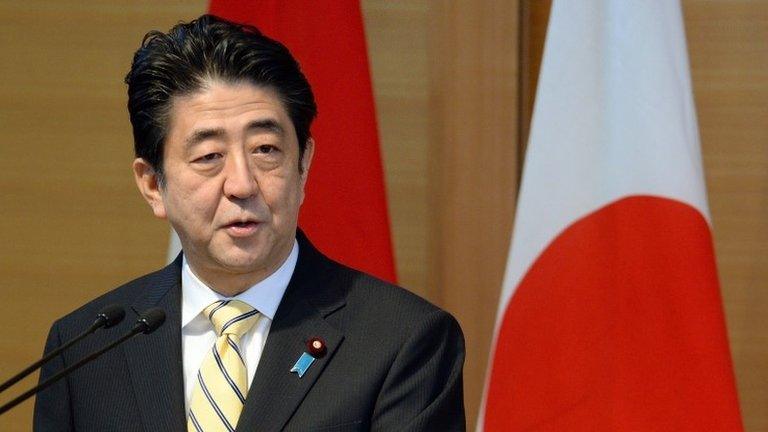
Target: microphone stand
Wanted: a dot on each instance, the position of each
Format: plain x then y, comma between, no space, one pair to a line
108,317
147,323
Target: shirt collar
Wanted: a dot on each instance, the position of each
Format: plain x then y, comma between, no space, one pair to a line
265,296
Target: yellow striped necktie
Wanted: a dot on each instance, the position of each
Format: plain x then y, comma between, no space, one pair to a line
222,381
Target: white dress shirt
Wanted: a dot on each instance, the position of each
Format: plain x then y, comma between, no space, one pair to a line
197,333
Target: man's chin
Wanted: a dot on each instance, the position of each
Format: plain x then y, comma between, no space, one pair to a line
244,264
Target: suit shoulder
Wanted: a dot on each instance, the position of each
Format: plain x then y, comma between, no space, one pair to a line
368,287
384,302
124,295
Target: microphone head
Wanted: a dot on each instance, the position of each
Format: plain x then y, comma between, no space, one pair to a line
150,320
110,315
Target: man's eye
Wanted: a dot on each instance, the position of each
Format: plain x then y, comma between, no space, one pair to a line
208,158
266,149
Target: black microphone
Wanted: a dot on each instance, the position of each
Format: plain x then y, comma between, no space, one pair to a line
107,317
146,323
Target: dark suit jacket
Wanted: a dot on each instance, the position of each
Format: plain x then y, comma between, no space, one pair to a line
394,361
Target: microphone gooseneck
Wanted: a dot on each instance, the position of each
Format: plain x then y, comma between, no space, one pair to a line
146,323
107,317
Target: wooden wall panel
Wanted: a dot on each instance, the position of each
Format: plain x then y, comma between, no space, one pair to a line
445,80
396,32
474,145
728,46
534,17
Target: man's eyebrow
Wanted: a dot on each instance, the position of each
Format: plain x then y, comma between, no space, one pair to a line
201,135
267,125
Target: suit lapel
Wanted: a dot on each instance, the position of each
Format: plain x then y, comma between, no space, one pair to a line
275,392
155,360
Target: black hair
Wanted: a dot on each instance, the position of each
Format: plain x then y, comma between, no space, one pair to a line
180,62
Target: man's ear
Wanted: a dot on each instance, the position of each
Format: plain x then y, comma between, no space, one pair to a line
305,163
149,185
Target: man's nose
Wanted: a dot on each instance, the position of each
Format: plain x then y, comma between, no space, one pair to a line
240,181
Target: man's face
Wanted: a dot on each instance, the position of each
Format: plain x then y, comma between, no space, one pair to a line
233,186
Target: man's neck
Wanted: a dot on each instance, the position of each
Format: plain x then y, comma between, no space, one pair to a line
232,283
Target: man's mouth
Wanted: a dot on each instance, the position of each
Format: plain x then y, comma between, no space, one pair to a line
241,228
242,224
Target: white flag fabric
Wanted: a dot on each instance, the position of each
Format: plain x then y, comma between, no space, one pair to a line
174,247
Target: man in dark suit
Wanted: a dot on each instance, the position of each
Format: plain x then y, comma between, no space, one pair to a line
221,117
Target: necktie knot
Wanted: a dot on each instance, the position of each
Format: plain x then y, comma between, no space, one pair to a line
231,317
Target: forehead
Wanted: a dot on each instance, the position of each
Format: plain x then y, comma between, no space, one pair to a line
227,106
